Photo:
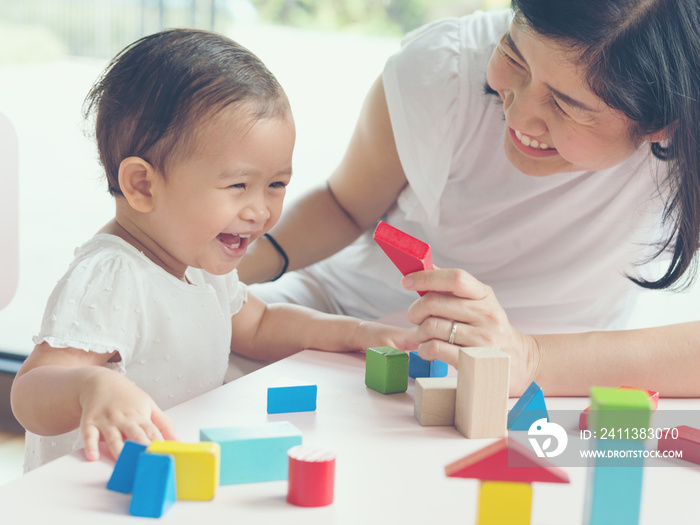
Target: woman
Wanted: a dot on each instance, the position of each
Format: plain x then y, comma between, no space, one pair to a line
544,155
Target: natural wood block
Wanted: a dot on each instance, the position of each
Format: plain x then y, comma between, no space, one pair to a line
434,400
481,406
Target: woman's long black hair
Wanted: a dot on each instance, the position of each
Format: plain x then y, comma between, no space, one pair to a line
643,59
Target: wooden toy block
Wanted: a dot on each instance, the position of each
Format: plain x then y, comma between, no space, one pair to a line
419,367
154,489
386,370
653,398
406,252
122,479
289,395
506,460
254,453
528,409
687,441
625,409
197,466
434,401
503,502
614,485
481,407
311,476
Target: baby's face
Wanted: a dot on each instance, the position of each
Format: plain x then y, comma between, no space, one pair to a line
211,205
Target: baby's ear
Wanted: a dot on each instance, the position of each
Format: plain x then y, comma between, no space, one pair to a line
136,178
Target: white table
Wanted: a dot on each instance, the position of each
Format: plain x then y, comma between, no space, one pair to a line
389,469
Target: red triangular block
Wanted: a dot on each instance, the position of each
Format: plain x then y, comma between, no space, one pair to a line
406,252
506,460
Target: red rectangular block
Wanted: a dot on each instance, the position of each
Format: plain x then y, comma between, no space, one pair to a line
406,252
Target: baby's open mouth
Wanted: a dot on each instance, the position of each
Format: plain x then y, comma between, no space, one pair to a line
232,240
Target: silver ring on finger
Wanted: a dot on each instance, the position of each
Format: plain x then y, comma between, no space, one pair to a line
451,340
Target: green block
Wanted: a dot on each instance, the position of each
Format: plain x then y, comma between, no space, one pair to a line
386,370
621,411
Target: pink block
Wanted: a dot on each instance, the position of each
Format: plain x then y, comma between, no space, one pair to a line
688,441
311,476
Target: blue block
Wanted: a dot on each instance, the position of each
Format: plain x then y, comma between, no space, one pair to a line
419,367
528,409
614,485
154,486
254,453
122,479
287,397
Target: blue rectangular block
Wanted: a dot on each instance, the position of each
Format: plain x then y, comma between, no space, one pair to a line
419,367
154,486
253,453
614,485
287,397
122,479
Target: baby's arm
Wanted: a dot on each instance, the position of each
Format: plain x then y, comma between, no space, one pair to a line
275,331
59,390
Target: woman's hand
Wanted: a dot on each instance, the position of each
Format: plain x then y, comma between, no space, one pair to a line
460,311
116,410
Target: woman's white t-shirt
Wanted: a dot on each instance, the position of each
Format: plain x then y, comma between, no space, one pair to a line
174,338
555,249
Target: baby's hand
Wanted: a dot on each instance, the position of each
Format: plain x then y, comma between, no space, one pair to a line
373,334
117,410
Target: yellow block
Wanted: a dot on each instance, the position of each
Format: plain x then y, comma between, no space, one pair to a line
196,467
504,503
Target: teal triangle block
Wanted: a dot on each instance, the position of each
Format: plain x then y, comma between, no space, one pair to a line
528,409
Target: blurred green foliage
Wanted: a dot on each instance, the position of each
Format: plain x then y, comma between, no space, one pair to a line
385,17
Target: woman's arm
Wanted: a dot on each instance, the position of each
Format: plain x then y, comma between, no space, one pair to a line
275,331
358,193
665,359
59,390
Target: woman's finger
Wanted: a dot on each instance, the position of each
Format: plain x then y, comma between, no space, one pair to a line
454,281
436,349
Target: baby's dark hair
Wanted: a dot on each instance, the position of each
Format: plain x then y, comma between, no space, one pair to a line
643,59
155,93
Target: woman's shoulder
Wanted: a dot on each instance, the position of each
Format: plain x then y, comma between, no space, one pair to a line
474,31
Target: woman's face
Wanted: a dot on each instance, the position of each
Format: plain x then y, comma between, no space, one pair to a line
555,123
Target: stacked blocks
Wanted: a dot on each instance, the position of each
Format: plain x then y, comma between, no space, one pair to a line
288,395
386,370
311,476
254,453
434,401
154,489
481,406
419,367
614,487
506,470
197,467
528,409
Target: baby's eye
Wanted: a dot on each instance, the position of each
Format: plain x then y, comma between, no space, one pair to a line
240,186
278,184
